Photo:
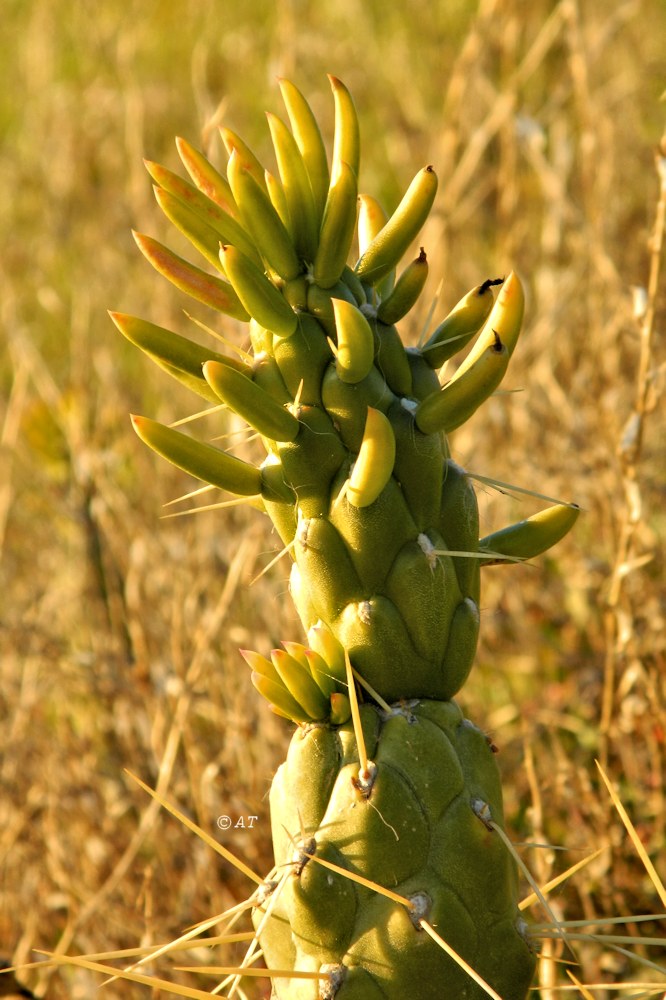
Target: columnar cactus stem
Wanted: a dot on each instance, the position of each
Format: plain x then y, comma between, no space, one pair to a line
385,821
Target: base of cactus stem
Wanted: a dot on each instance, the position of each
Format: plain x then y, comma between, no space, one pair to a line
422,830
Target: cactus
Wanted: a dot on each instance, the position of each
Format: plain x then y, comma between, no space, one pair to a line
393,877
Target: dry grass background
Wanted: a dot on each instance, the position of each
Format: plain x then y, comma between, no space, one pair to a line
119,631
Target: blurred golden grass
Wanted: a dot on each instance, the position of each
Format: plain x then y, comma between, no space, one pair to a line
119,631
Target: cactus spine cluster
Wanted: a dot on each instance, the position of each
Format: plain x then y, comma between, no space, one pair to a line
385,816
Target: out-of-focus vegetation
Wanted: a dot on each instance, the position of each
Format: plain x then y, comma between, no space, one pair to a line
119,631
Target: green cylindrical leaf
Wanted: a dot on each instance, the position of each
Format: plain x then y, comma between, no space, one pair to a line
337,228
181,357
406,291
321,673
355,348
228,229
464,320
531,537
259,296
279,696
389,245
247,159
192,280
346,140
304,220
300,684
391,359
462,396
209,180
204,461
251,402
263,222
308,138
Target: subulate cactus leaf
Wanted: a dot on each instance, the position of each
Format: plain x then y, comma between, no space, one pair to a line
233,143
503,324
346,137
532,536
340,709
308,139
337,227
355,347
382,528
320,304
261,339
206,177
299,683
260,665
182,358
259,296
371,220
297,650
227,228
201,285
296,293
323,642
250,401
424,379
277,197
372,470
387,248
267,375
274,489
304,220
405,292
261,220
455,403
321,673
457,329
201,235
279,696
204,461
351,281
